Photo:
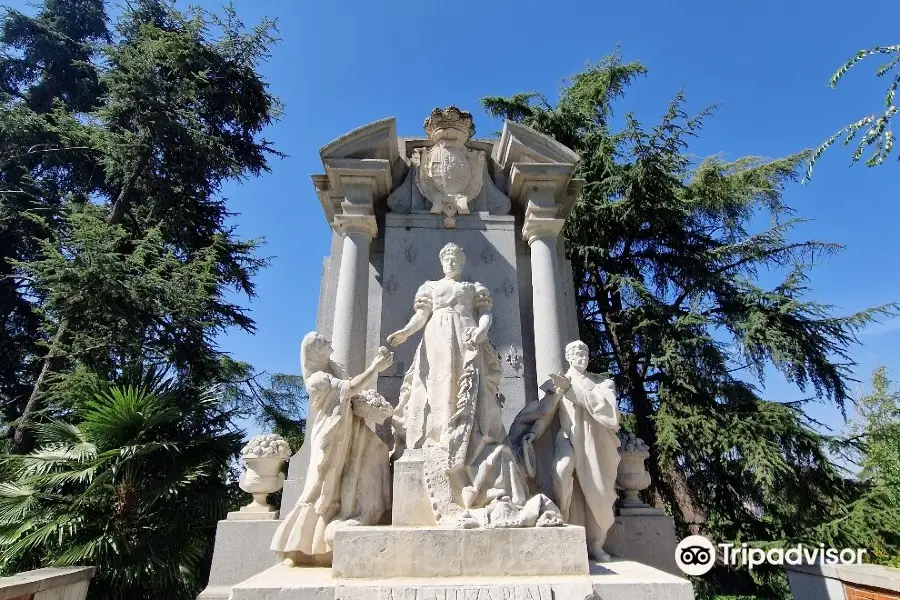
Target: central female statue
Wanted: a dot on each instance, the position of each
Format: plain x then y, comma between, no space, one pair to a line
449,399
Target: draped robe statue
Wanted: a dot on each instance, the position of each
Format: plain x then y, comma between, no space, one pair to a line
348,481
584,455
448,403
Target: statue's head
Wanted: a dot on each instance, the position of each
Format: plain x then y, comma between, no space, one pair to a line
453,259
577,355
315,351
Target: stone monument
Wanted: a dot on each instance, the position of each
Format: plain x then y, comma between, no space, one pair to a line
468,462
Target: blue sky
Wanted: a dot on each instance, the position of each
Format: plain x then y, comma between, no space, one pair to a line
342,64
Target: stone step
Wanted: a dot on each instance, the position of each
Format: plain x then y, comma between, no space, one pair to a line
615,580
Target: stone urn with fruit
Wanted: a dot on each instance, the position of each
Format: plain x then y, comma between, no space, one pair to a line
262,456
632,477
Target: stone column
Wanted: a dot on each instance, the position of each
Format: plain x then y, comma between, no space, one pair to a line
351,301
540,231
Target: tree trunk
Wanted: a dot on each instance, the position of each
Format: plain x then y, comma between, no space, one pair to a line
120,206
21,442
667,484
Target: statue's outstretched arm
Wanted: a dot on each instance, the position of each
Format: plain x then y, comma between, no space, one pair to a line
382,361
417,322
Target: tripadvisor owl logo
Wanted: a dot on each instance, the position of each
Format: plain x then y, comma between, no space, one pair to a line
695,555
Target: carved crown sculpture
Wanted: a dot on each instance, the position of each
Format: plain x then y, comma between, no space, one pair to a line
449,122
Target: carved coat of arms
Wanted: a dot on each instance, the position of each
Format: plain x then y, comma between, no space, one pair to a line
449,174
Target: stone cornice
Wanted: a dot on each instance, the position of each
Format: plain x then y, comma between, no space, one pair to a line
352,171
524,177
521,144
377,139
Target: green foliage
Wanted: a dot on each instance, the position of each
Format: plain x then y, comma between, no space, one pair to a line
667,257
879,422
134,484
116,250
128,249
878,428
54,52
876,127
47,81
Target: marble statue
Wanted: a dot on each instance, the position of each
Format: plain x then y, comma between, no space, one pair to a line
584,455
448,404
349,480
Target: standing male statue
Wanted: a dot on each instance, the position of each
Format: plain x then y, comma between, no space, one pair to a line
585,456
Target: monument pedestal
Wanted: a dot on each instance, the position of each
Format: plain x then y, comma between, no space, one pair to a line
646,535
386,552
431,563
241,551
410,498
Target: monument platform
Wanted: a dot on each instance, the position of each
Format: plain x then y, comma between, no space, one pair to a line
615,580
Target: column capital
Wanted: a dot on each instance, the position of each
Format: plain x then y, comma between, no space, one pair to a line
348,223
541,223
356,184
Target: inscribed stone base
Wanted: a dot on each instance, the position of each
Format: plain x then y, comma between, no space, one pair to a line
410,497
616,580
649,539
379,552
241,551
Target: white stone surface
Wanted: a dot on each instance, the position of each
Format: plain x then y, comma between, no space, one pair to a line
640,511
368,287
349,476
449,175
350,308
383,552
548,341
622,579
411,244
618,580
74,591
632,477
50,583
808,586
254,515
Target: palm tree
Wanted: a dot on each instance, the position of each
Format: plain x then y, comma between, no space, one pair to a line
134,486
